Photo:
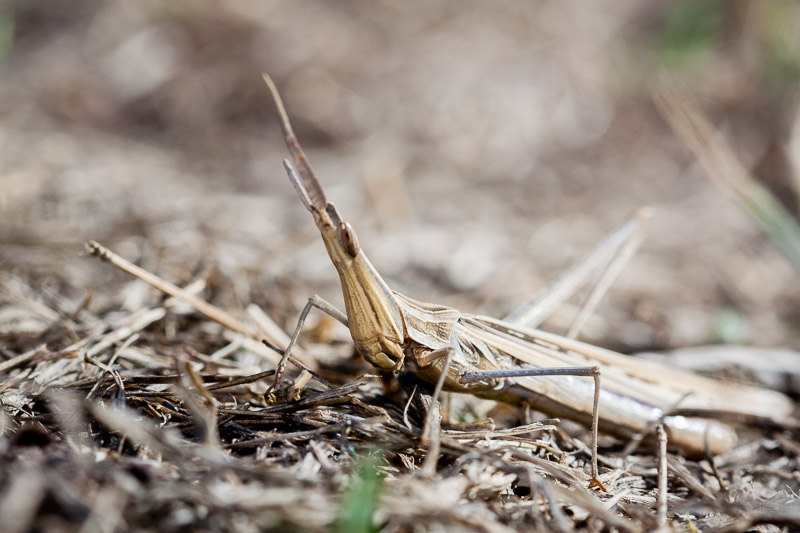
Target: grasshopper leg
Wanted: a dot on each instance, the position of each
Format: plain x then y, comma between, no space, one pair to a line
324,306
588,371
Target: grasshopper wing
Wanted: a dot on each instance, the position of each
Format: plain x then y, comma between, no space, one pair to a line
634,395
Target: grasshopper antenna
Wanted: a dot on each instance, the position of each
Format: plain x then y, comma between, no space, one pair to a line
298,185
312,194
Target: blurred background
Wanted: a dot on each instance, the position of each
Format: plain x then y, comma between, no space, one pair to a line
478,149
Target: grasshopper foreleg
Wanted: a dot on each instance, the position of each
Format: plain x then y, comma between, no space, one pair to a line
588,371
324,306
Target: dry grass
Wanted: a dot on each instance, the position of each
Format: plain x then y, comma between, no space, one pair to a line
145,420
146,126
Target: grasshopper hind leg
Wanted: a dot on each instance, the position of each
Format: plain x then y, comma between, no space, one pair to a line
589,371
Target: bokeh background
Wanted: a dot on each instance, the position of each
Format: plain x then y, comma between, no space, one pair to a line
477,147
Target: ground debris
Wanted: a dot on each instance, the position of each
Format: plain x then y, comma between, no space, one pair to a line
93,438
480,148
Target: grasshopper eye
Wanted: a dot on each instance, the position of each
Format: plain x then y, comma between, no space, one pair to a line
347,238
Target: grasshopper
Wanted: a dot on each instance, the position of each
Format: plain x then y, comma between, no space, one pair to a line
508,360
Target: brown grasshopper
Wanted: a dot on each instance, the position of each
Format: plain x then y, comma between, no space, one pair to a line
506,360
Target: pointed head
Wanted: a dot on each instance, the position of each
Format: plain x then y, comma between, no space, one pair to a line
339,237
373,315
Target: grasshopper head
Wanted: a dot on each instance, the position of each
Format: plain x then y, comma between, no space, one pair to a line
373,314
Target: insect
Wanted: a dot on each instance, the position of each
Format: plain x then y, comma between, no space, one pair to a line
507,361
